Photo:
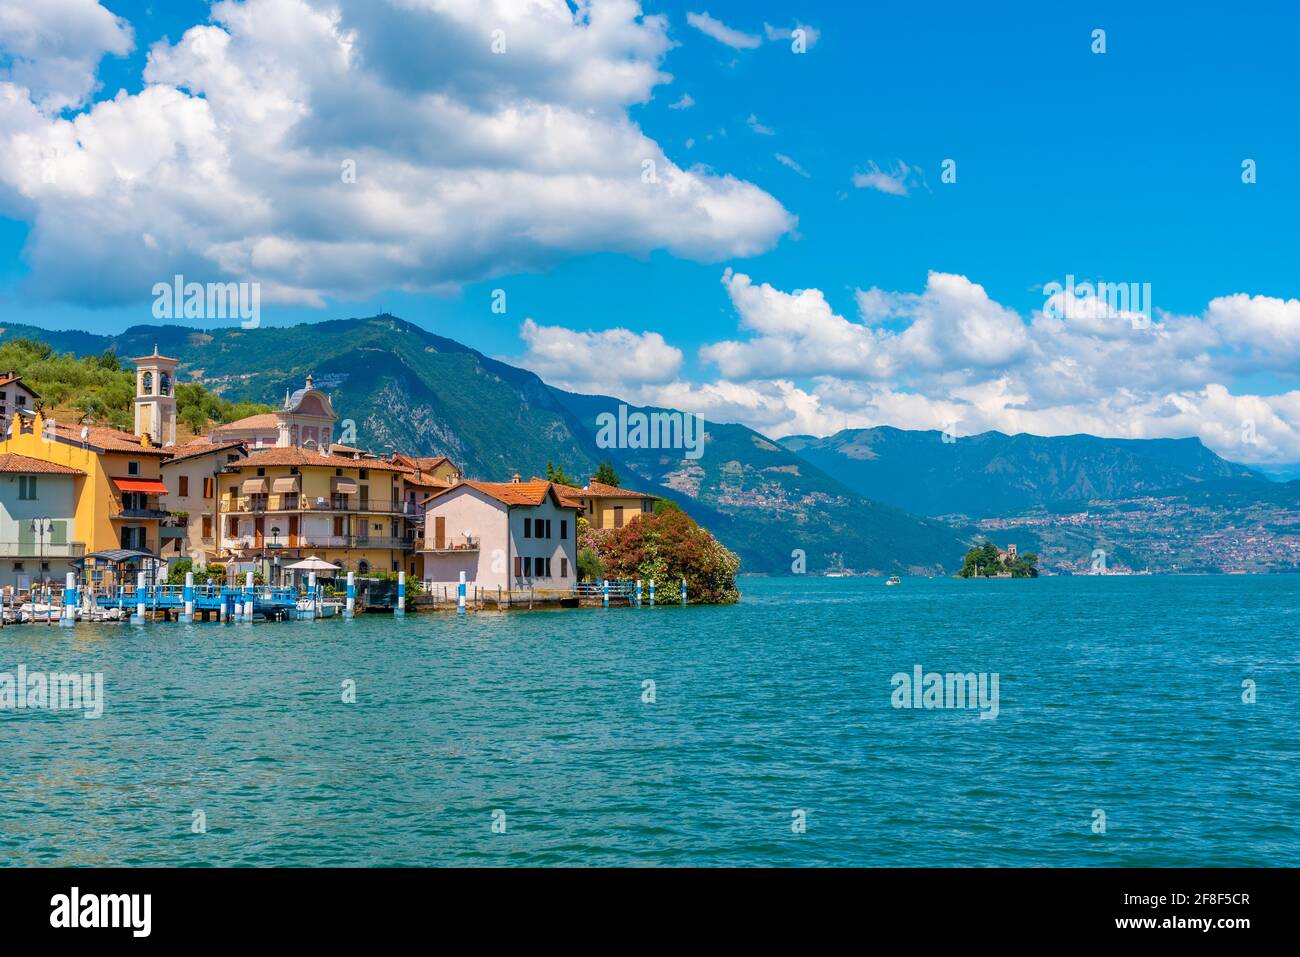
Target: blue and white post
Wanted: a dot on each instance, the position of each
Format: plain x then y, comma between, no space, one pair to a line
188,595
400,610
683,591
638,593
606,589
310,613
460,595
652,593
138,617
248,597
350,609
223,609
69,617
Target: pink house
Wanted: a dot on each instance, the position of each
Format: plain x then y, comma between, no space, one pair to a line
508,535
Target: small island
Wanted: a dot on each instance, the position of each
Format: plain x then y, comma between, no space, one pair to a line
989,561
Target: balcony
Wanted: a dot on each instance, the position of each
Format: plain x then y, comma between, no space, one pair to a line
306,542
456,543
257,505
39,552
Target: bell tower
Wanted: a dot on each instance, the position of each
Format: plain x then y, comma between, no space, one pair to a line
155,398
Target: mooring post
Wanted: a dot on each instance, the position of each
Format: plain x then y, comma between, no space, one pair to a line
460,595
69,601
400,610
350,610
310,612
652,593
683,591
138,617
638,592
188,595
248,597
606,591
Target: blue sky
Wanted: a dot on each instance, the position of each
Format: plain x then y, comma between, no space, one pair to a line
1121,166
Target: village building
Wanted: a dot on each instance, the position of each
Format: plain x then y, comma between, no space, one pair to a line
305,421
191,478
281,504
15,397
608,506
118,515
513,536
38,520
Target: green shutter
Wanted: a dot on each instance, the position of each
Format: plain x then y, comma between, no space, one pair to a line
58,533
26,537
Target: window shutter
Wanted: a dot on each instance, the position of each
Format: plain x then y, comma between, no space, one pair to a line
519,567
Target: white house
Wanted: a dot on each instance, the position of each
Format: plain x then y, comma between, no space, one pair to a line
37,520
508,535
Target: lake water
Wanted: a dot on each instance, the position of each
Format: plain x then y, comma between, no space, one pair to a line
1116,695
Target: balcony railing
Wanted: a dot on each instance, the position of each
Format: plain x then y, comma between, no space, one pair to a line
302,503
38,551
270,545
456,543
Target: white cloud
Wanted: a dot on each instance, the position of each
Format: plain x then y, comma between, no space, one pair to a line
753,123
719,31
895,183
55,46
610,360
810,34
788,162
230,163
685,103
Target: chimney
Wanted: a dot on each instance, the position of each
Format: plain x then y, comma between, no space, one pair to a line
514,479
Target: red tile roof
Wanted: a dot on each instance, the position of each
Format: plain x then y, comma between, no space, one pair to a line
296,456
513,493
263,420
596,489
106,439
201,447
13,462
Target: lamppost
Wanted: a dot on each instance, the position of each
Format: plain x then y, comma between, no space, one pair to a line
41,527
275,555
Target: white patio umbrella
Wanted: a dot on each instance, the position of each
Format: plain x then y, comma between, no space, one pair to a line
311,564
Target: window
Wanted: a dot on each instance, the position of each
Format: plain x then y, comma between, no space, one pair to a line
27,487
207,526
564,532
261,471
528,528
185,486
207,488
519,567
232,527
365,473
528,567
18,566
132,468
338,525
564,566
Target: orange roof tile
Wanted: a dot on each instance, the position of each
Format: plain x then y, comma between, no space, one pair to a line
263,420
596,489
512,493
296,456
106,439
13,462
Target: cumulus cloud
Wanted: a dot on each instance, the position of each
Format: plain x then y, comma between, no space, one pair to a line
712,27
598,362
340,147
54,48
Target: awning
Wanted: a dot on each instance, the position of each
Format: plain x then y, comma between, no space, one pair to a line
148,486
288,483
253,486
345,486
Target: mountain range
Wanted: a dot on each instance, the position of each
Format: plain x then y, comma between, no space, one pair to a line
869,500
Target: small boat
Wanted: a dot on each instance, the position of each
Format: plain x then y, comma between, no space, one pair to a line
893,580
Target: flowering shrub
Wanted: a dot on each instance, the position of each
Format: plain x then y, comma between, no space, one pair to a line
666,547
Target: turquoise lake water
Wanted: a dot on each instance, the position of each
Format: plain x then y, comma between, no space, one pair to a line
1120,695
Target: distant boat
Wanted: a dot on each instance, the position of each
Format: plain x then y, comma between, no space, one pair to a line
893,580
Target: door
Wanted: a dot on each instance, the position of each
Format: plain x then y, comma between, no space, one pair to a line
440,531
293,531
259,532
618,516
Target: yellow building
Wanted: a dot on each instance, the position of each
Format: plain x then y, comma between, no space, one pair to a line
116,504
608,506
282,504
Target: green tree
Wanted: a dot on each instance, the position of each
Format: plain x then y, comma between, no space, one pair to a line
606,475
556,474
